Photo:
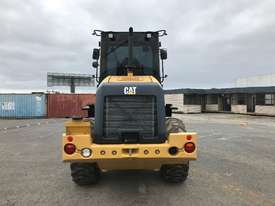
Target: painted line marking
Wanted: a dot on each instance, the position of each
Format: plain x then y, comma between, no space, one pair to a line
28,125
142,188
222,138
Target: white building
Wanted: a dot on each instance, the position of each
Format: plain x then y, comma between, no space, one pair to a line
242,100
256,81
186,100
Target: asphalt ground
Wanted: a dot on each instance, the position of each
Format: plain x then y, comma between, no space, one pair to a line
236,166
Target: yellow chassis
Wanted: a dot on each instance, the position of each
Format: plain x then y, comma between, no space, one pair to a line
126,156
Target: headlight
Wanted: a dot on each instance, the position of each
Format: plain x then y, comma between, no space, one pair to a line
86,152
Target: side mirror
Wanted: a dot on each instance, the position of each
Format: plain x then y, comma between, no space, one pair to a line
163,54
95,64
90,110
96,54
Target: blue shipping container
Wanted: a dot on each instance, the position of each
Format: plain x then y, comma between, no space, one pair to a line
22,105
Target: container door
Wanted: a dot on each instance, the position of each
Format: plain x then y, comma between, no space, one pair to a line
203,103
251,103
226,103
38,108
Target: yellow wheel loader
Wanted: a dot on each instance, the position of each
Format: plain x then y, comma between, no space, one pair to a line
130,127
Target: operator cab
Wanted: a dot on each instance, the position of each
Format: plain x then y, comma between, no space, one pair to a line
123,51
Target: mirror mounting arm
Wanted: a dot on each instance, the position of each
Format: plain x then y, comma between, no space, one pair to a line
95,65
163,76
96,75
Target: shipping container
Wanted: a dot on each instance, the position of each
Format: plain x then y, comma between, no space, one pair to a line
22,105
68,105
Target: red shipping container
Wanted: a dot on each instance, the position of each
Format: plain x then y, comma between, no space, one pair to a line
68,105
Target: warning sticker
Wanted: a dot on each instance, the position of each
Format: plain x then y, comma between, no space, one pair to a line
8,105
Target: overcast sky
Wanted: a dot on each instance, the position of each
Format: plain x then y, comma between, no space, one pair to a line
210,43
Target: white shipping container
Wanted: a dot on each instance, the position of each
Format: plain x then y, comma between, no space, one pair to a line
176,100
212,107
191,109
240,109
268,110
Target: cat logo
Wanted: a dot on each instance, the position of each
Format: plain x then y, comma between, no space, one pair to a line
130,90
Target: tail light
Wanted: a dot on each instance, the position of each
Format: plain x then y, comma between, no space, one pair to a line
189,147
189,137
70,138
69,148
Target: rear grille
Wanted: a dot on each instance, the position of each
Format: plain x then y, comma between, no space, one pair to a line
125,115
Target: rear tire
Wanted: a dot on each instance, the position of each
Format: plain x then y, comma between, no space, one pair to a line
174,173
85,173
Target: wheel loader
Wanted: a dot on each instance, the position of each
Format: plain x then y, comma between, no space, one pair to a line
131,127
